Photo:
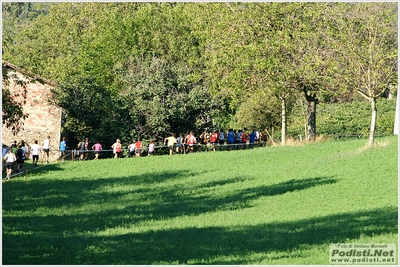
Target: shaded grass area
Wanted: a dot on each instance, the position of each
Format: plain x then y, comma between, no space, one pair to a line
190,245
268,206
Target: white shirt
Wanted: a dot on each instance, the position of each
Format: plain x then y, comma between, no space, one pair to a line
151,147
10,157
35,149
46,144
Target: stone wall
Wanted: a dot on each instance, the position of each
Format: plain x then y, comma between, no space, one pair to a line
43,119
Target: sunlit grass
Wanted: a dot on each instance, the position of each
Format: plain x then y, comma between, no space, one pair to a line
275,205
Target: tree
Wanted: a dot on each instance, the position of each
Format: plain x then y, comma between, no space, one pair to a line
368,50
12,103
92,110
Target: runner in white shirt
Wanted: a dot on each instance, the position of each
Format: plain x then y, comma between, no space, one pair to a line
9,159
46,148
35,150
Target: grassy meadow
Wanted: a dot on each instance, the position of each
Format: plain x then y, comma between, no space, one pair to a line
270,205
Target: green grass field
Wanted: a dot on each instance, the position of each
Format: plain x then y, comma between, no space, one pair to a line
273,205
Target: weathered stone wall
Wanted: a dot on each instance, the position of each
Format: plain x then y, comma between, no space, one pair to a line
43,120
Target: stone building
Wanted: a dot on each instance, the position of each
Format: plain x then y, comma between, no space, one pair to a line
44,119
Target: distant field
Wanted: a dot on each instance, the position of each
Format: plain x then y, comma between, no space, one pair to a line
270,205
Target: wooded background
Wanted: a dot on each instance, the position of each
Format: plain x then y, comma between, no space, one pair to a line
129,70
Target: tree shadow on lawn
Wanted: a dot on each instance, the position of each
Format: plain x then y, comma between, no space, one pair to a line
145,203
208,245
50,239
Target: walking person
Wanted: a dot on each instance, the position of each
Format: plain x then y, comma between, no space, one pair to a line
63,148
20,158
204,136
117,149
252,137
190,140
231,138
171,142
221,140
86,148
132,149
46,149
13,147
35,150
138,146
179,145
213,140
82,149
97,148
10,158
245,137
151,148
238,139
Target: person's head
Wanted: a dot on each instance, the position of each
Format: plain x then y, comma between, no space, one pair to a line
48,137
97,142
173,134
63,138
36,142
118,141
83,140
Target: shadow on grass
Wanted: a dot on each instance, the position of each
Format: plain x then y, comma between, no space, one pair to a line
63,238
134,193
212,245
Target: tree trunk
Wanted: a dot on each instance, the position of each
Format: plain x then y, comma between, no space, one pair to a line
373,122
312,116
283,121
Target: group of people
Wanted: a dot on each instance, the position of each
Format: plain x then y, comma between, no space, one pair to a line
182,144
135,148
15,155
232,140
84,148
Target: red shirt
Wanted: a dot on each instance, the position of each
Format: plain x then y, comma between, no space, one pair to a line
244,137
214,138
138,145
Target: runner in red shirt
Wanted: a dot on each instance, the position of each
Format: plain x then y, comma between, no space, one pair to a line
214,140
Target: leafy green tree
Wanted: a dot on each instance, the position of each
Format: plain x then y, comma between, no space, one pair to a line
162,100
367,45
12,103
92,110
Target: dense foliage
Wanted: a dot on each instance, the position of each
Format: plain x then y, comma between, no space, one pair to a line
345,119
156,68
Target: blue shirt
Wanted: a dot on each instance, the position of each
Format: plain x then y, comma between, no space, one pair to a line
63,145
231,137
252,137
